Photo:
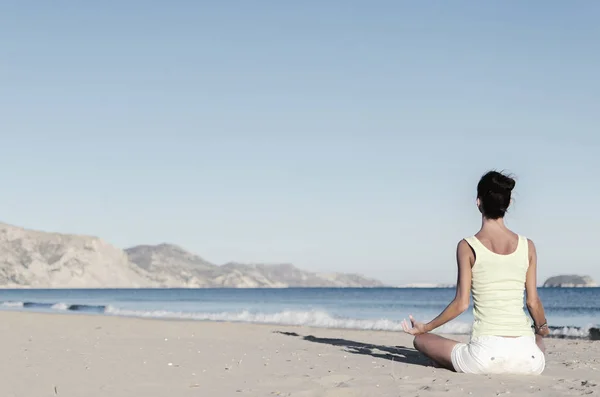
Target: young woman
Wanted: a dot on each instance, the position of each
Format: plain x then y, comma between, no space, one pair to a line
497,266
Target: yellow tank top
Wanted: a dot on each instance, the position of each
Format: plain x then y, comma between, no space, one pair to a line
498,288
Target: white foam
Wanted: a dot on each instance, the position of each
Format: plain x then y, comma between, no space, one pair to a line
571,332
60,306
314,318
319,319
458,328
299,318
12,304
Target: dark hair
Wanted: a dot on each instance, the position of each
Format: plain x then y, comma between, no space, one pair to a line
494,192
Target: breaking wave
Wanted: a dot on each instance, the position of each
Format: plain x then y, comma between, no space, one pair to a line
59,306
314,318
12,304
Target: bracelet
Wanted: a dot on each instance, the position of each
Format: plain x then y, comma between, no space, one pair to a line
537,328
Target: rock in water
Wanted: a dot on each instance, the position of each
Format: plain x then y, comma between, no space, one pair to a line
568,281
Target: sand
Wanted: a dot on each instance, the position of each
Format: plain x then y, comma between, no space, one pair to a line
86,356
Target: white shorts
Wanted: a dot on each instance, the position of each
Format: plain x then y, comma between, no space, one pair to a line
499,355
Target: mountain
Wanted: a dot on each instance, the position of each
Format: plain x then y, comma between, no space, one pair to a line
173,266
570,280
39,260
286,275
34,259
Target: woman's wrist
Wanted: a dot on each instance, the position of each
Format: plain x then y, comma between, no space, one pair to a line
540,327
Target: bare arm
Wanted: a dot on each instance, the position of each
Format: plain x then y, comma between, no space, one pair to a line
534,303
465,260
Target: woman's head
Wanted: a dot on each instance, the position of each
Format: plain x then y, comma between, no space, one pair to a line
494,194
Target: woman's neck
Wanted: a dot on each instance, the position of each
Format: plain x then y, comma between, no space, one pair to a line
492,224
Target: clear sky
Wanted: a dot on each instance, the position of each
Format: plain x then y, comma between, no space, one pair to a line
339,135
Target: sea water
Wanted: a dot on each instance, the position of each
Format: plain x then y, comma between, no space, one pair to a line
572,312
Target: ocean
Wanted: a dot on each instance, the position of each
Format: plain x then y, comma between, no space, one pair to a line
571,312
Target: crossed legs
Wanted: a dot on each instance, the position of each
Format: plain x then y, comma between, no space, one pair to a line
437,348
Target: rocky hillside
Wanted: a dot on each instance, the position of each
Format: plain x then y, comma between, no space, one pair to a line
286,275
36,259
172,266
567,281
33,259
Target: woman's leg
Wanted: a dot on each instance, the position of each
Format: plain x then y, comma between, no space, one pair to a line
437,348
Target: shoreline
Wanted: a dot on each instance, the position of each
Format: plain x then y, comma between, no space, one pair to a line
572,332
410,286
95,355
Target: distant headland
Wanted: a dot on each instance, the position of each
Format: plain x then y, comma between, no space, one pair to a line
570,281
35,259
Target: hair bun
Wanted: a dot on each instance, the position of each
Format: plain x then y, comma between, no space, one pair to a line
501,183
494,192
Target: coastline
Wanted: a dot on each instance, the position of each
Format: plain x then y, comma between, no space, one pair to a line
92,355
314,310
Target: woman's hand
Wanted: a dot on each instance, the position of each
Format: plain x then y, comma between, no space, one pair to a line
542,330
416,327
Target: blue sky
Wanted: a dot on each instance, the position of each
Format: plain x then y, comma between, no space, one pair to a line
339,136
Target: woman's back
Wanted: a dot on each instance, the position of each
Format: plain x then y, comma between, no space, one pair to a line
498,284
496,267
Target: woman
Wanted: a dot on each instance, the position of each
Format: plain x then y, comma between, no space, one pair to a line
498,265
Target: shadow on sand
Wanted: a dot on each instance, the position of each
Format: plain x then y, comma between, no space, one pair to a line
401,354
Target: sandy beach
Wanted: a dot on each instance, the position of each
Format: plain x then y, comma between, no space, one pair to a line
78,355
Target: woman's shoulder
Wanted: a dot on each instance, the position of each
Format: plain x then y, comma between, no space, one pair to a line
531,247
525,239
465,246
465,253
470,241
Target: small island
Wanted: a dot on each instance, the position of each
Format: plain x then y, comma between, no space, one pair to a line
570,281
